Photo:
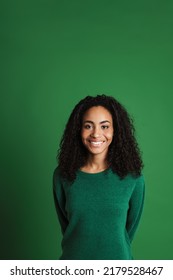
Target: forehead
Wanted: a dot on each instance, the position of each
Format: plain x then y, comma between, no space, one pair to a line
97,113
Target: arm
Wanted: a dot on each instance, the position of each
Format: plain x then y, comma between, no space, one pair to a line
135,207
59,200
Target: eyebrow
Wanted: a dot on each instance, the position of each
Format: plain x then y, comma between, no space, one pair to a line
87,121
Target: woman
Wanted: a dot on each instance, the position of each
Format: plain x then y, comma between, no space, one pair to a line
98,185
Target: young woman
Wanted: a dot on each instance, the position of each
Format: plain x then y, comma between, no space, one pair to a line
98,185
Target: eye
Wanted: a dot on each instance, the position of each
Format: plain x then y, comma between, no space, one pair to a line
87,126
104,127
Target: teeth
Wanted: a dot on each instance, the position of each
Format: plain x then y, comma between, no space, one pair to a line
96,143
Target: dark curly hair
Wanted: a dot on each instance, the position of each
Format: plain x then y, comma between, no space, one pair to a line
123,155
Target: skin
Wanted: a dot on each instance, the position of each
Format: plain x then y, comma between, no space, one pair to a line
97,134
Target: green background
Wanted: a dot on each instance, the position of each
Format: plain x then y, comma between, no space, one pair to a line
53,53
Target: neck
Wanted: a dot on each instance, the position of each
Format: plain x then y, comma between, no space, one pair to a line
95,164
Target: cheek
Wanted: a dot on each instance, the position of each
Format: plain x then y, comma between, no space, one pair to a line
83,135
109,135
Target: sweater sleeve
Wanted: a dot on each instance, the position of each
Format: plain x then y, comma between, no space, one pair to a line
59,200
135,207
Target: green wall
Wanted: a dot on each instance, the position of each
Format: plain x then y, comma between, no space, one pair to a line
53,53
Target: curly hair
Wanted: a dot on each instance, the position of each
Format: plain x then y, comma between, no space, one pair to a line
123,156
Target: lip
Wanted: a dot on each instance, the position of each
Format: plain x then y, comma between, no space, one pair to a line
96,143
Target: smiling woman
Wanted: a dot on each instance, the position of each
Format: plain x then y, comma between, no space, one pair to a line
98,185
97,135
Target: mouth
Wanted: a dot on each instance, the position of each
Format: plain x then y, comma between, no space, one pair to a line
96,143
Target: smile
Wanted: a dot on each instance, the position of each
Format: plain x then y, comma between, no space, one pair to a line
96,143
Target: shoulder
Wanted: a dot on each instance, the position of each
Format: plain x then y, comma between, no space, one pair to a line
136,179
56,173
140,180
57,180
137,182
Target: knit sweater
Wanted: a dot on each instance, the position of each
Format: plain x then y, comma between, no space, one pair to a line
98,214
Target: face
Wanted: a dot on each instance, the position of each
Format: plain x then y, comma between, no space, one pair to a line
97,130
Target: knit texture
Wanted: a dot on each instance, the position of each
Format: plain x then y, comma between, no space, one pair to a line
99,214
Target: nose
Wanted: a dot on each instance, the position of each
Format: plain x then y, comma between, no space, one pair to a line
95,132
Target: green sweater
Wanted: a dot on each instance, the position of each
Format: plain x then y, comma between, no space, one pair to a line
99,214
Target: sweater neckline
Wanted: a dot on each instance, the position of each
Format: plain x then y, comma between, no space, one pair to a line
93,174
